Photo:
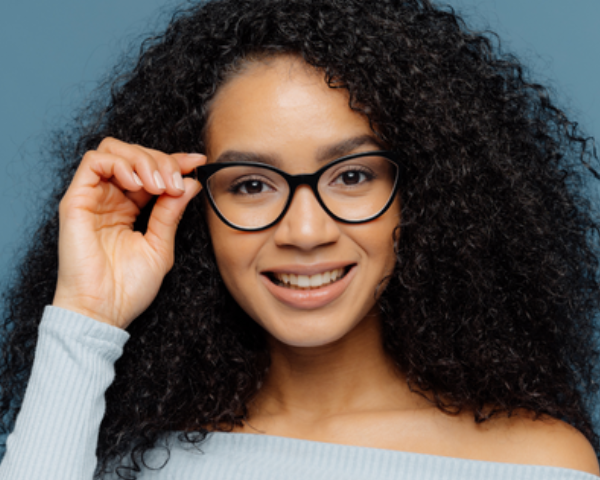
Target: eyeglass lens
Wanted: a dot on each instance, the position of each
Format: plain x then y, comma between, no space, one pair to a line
353,190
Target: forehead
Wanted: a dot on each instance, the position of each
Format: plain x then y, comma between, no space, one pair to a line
282,108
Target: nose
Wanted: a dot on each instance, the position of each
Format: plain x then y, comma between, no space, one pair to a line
306,225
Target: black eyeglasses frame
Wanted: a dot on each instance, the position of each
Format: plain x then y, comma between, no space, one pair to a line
204,172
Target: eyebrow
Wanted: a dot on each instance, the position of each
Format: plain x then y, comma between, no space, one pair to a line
236,156
324,154
345,147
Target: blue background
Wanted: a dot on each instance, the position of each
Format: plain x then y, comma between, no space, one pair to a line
54,53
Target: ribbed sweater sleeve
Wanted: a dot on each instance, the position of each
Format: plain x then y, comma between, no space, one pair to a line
56,432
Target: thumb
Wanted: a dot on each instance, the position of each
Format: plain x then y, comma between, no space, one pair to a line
166,213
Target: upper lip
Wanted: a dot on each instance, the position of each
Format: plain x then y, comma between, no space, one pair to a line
308,269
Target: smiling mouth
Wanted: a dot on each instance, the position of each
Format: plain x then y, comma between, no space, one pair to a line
308,282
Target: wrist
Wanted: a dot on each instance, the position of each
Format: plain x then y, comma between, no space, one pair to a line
69,304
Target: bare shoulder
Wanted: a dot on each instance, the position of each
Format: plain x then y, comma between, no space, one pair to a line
545,441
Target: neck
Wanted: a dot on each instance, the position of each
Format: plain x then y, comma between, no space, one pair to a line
348,376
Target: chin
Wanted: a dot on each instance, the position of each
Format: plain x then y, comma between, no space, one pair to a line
305,335
306,341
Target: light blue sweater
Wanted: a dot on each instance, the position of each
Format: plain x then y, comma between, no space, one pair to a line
57,430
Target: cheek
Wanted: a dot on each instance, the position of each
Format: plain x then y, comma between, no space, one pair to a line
382,253
235,253
381,239
380,245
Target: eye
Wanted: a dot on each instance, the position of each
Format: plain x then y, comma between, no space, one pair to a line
251,186
353,176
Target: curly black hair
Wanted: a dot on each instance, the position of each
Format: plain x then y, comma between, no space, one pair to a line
490,308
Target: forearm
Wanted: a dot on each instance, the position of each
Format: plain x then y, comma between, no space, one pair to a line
56,432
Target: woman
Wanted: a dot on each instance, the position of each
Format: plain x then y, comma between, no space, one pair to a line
390,271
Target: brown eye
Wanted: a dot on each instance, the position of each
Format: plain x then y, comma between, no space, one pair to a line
350,178
252,187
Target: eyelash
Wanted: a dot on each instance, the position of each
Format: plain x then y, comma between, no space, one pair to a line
358,169
235,187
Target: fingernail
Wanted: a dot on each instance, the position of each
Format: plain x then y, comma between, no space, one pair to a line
137,179
196,156
158,180
178,181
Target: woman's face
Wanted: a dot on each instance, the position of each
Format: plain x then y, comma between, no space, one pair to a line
282,111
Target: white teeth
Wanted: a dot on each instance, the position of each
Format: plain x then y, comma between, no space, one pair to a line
313,281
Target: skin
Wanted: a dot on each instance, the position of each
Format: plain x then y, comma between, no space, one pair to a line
330,379
292,116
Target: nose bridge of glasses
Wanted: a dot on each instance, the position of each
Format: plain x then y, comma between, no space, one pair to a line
310,180
307,180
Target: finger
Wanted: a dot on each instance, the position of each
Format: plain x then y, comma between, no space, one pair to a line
169,167
145,162
170,173
140,198
189,161
172,167
97,166
166,172
164,219
186,161
139,184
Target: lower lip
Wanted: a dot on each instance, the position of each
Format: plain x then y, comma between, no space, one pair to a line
309,299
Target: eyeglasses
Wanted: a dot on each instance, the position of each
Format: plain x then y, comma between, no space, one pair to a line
251,196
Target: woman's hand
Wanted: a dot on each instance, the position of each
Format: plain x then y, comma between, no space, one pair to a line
106,270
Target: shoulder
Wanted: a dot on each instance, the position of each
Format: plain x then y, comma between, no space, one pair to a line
544,441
